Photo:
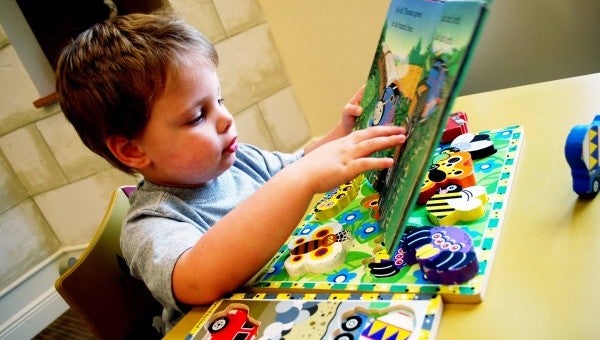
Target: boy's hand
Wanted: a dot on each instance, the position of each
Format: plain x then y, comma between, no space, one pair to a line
352,110
341,160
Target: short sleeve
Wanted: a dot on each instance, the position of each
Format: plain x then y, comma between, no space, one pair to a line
152,246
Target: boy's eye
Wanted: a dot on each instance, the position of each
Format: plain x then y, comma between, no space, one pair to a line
197,119
220,101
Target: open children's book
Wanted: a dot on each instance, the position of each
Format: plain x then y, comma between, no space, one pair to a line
430,224
420,61
321,316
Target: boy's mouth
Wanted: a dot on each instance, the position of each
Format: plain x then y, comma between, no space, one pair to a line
232,147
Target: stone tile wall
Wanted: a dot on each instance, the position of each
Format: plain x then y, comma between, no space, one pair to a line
54,192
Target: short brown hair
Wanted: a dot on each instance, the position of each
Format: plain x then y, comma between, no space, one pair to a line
110,75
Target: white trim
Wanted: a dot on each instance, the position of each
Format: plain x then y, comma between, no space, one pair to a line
31,303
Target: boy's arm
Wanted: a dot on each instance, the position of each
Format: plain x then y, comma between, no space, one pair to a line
245,239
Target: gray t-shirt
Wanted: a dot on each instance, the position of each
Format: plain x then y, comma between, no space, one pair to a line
163,222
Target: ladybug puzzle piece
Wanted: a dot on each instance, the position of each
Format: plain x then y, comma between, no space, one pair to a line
454,167
452,204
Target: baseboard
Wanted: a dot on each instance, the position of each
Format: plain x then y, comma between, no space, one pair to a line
31,303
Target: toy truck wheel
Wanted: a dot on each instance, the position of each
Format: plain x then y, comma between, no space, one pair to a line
594,189
218,324
344,336
352,323
595,186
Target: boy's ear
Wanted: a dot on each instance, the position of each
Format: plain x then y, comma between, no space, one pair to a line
128,152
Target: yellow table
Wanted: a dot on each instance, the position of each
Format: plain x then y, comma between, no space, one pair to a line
545,277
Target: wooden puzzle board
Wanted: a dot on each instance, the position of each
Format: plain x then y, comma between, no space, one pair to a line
312,316
351,273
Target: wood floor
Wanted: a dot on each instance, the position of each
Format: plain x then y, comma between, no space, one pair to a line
66,327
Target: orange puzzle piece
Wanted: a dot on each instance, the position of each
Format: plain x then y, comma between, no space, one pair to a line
454,167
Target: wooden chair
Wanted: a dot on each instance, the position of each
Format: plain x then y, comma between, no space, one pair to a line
99,287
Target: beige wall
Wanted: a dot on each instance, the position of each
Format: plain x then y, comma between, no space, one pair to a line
53,191
327,46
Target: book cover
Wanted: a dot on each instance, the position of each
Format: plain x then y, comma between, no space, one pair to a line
321,316
419,63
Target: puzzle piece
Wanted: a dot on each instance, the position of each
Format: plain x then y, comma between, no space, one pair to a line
234,321
320,251
452,167
452,204
336,200
444,254
456,126
395,322
479,146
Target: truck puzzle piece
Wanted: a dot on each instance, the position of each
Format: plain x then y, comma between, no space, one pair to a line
581,151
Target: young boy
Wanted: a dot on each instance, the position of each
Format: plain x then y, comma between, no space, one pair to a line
142,91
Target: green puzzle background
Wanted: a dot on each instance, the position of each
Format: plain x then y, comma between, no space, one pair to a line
495,173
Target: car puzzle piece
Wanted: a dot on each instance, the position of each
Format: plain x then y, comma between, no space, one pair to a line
452,204
232,323
452,167
581,151
456,126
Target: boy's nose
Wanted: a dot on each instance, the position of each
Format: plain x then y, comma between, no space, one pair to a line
225,122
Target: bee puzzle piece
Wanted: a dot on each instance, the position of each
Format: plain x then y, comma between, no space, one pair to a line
444,254
318,252
231,323
581,151
453,203
479,146
454,167
336,200
456,126
395,322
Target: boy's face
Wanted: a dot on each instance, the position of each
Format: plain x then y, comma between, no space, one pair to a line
190,137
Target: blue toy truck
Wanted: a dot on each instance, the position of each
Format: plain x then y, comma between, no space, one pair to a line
581,151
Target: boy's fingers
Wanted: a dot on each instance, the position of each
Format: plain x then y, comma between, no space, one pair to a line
368,146
358,95
369,163
376,131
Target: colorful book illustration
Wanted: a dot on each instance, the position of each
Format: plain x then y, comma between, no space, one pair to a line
419,64
339,247
321,316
